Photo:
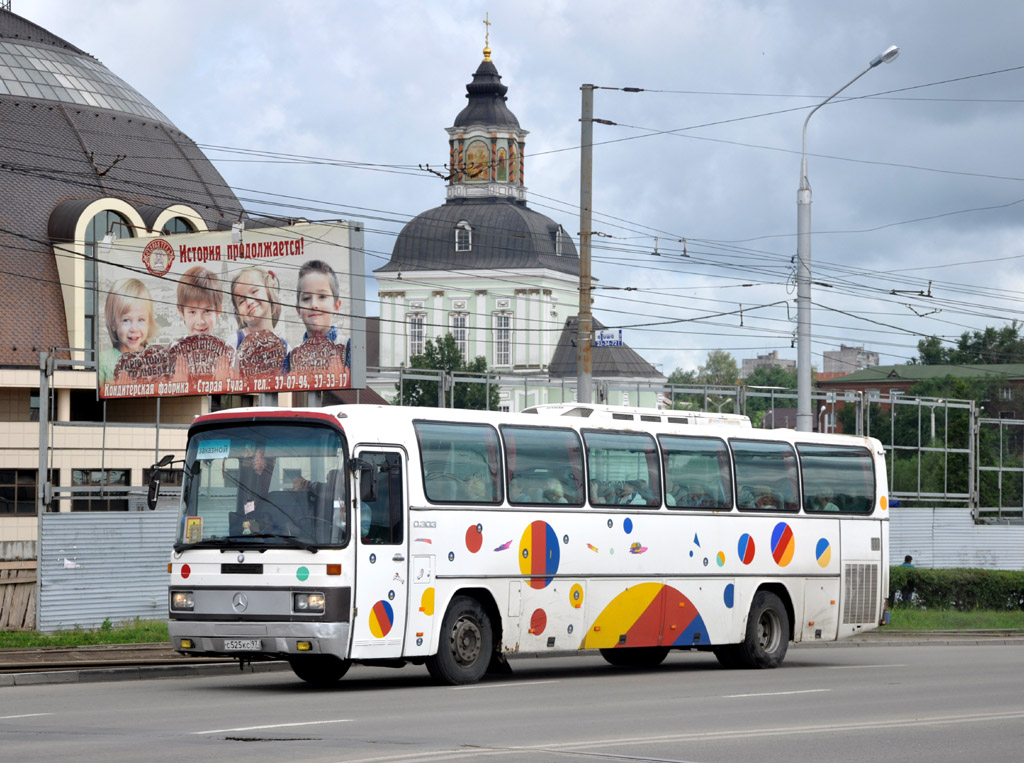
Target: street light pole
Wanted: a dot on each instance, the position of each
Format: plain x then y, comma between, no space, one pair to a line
804,415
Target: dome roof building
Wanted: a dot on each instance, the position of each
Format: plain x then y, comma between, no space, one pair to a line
82,154
500,277
510,274
84,158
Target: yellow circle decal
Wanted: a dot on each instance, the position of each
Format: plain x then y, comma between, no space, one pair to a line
576,596
427,602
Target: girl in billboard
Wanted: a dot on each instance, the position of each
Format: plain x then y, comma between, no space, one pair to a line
258,346
130,323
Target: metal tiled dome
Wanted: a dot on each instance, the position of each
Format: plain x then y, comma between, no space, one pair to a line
506,235
71,130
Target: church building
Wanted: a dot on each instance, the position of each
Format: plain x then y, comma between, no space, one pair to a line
501,278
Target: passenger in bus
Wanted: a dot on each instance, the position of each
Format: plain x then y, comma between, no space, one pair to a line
477,489
630,494
517,491
554,492
826,502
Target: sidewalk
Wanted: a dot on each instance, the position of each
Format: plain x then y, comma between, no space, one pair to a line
129,662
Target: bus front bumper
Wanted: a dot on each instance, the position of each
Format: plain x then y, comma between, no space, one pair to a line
259,641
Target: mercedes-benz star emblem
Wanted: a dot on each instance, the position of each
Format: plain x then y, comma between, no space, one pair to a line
239,602
241,558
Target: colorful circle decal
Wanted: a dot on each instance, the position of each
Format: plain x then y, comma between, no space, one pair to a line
538,622
538,554
427,602
627,525
823,552
745,548
302,573
720,558
382,617
783,544
576,596
185,571
474,538
729,595
648,614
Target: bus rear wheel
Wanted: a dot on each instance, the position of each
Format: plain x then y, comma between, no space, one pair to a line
319,669
636,657
767,637
467,641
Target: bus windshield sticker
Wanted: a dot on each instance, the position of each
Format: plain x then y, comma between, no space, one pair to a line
207,451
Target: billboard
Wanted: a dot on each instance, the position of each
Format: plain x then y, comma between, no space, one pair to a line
280,310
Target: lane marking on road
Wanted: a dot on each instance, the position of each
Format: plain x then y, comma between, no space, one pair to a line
774,693
273,726
863,667
26,715
504,686
566,748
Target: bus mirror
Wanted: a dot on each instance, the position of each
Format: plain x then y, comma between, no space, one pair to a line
154,480
154,490
367,481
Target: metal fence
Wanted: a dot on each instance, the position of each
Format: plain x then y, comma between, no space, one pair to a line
98,566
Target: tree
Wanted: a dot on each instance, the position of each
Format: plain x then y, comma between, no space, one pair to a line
991,345
719,369
769,377
444,355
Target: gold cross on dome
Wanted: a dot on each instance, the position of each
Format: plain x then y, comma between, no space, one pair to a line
487,37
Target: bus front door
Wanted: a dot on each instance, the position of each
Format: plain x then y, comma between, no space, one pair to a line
382,567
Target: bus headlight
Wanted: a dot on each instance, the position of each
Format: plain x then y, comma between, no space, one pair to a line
308,602
183,601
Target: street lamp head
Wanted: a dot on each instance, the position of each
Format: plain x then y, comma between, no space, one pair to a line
888,55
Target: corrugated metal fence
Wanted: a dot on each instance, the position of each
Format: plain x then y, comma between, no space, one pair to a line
945,537
103,566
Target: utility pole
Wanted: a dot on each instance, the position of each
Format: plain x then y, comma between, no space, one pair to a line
584,320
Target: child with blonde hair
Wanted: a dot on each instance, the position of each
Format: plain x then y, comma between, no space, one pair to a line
254,296
130,323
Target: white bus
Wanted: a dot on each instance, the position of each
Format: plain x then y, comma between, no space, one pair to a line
388,535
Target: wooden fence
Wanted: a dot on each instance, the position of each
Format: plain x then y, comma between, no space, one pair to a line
18,596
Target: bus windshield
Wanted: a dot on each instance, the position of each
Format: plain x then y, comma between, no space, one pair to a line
264,485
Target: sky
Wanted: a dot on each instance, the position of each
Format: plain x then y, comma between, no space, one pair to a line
327,109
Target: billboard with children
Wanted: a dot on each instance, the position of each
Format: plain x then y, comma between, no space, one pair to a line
280,310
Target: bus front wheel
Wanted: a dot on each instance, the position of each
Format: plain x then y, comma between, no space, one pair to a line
767,637
319,670
464,651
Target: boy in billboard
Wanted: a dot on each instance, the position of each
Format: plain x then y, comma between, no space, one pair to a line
318,303
200,353
130,323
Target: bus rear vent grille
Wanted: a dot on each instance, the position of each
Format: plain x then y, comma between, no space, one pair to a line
860,596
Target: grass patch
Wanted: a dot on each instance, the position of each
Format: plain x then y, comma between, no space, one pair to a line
134,632
914,619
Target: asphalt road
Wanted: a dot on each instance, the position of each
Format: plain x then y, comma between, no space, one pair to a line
894,703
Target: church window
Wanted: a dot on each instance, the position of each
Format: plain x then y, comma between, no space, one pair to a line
463,237
503,339
417,334
460,333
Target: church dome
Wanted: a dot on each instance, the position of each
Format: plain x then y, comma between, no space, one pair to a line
503,234
487,100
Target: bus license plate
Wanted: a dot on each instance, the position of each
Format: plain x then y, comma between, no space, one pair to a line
242,644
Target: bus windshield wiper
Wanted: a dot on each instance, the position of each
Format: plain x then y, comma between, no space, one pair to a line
291,540
227,542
